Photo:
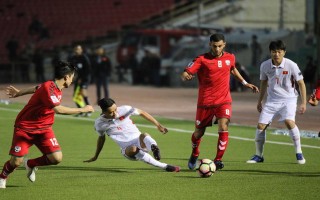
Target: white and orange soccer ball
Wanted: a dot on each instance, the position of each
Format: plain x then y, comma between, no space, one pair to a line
205,168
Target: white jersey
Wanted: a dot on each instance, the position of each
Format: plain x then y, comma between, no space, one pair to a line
281,80
121,129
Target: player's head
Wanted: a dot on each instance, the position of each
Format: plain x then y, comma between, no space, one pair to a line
78,50
217,44
64,71
108,107
277,51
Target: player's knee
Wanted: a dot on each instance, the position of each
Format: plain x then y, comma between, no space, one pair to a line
16,162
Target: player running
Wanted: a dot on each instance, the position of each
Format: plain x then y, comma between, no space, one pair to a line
214,100
117,124
278,77
33,125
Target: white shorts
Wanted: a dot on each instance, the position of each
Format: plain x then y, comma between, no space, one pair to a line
125,145
283,110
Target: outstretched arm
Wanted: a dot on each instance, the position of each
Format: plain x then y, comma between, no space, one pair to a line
70,111
238,76
100,144
151,119
13,92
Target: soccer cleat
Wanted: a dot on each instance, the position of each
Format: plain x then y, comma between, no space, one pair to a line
156,152
300,159
192,162
171,168
3,183
219,164
31,172
256,159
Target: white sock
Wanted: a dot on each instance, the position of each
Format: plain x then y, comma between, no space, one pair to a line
148,140
260,140
147,158
295,136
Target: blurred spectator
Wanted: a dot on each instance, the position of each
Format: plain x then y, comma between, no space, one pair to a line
150,66
12,47
83,64
309,73
102,71
256,52
135,69
35,27
234,84
38,61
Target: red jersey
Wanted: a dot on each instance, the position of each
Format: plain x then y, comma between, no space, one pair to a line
38,114
213,78
317,93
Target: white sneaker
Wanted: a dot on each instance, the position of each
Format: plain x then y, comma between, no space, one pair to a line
300,159
31,172
3,183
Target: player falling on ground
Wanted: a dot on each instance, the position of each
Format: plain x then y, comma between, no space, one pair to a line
213,70
279,76
116,123
33,125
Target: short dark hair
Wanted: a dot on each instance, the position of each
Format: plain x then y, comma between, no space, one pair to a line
217,37
63,68
106,103
277,45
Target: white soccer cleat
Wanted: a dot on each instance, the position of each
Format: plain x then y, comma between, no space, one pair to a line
31,172
3,183
300,159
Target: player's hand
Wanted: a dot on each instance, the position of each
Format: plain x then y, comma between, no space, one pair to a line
254,88
313,100
90,160
88,108
162,129
185,76
302,108
12,92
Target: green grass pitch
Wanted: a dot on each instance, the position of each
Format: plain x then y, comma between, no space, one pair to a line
114,177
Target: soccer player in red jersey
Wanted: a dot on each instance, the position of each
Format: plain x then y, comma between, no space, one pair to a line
33,125
214,99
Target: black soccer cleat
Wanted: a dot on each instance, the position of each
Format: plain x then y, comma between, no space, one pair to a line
171,168
192,162
219,164
156,152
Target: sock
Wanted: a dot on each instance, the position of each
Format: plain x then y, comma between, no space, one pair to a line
148,140
195,145
260,140
147,158
40,161
86,100
7,169
222,144
295,136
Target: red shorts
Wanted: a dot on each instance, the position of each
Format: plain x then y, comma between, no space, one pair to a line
205,115
22,141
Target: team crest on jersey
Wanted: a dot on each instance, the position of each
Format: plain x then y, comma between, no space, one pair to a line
17,149
190,64
228,62
54,99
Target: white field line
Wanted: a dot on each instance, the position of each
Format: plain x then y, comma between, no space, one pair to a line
173,129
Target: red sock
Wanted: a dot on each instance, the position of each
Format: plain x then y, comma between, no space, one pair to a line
41,161
7,169
222,144
195,146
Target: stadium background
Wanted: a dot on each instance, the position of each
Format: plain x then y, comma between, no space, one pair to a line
98,22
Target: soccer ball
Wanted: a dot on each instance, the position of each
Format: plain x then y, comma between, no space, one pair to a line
205,168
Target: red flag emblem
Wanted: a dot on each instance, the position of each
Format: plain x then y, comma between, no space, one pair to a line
285,72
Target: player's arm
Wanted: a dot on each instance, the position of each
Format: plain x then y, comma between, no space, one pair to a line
13,92
100,143
313,100
186,76
238,76
263,89
70,111
303,96
151,119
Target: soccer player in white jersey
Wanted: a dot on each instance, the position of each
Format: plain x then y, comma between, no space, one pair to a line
278,76
116,123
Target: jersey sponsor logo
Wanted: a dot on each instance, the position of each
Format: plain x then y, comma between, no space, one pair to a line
17,149
228,62
285,72
190,64
54,99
